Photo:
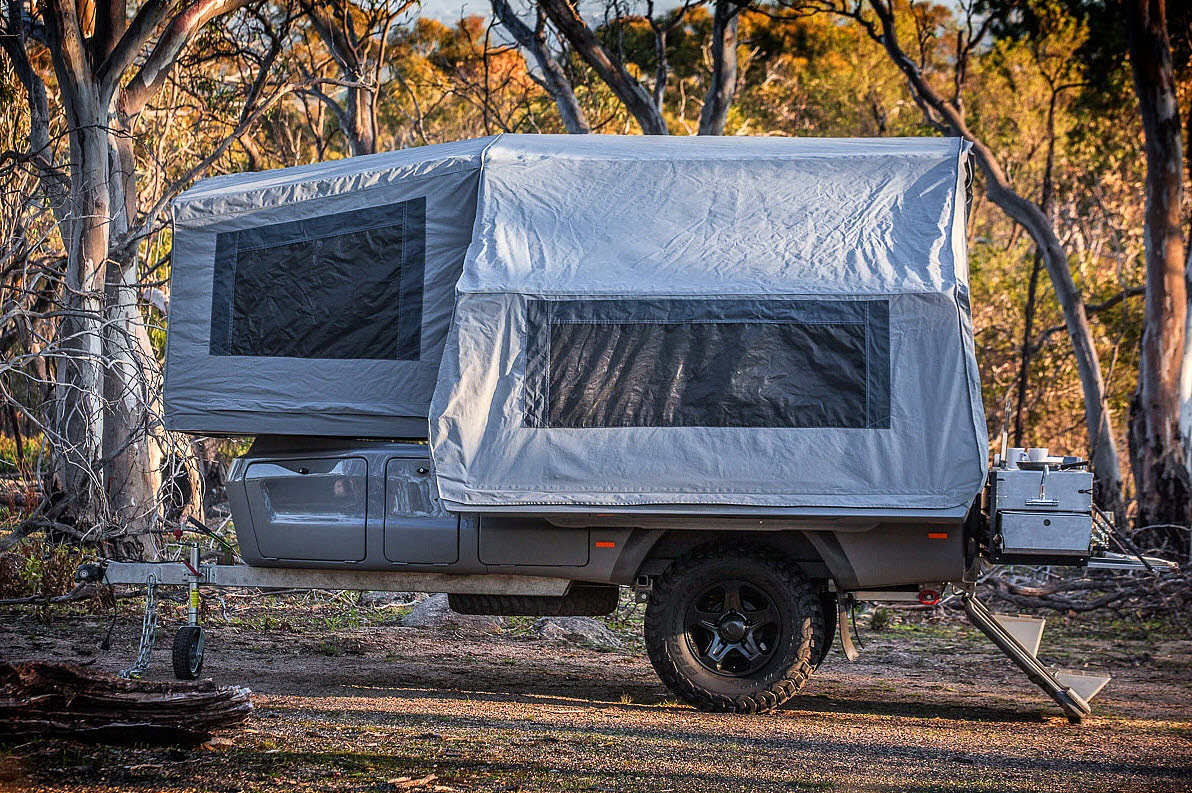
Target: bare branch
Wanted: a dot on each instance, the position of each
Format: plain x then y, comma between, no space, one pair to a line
554,80
147,19
178,34
607,64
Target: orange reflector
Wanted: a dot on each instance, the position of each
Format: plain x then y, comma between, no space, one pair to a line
605,544
937,535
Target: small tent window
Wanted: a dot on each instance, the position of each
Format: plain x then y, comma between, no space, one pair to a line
708,363
347,285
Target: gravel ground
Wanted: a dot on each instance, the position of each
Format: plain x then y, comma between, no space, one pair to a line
357,703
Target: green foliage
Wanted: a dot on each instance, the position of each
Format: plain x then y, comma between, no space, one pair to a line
25,456
1049,93
1070,142
881,619
40,566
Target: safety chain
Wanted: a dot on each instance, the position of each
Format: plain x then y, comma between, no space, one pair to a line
148,632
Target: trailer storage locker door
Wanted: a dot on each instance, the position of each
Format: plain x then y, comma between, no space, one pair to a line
738,323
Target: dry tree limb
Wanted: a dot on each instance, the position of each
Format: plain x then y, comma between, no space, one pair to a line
16,535
39,699
83,590
1169,594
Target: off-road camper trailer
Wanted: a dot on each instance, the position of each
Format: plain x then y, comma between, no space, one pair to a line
736,374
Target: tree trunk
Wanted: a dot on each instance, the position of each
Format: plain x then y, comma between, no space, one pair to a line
554,79
102,430
132,477
1098,418
357,119
1186,370
39,699
361,128
723,85
948,116
79,415
1186,379
1027,351
606,64
661,67
1156,449
1046,203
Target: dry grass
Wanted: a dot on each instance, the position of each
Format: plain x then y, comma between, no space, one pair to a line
929,707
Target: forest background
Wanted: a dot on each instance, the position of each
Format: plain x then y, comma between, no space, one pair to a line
1078,111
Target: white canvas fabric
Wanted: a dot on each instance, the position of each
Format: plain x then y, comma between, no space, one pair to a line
834,273
300,393
623,323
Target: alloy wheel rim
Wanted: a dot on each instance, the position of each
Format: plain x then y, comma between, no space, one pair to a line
733,628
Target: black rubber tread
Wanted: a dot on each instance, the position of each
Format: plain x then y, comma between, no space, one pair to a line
582,600
184,641
779,684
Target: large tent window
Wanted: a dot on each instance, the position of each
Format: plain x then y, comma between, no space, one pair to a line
346,285
708,363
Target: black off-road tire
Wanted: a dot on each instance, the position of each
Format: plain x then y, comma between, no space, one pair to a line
582,600
828,602
795,652
188,652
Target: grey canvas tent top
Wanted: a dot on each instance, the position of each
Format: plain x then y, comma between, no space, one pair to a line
623,323
724,323
315,300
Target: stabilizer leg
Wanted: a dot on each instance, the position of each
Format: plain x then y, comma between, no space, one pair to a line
1074,706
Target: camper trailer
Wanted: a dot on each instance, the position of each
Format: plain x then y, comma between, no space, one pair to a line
736,375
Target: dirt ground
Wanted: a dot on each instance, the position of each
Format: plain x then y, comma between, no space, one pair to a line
346,700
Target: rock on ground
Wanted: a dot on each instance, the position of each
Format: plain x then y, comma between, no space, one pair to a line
435,613
578,630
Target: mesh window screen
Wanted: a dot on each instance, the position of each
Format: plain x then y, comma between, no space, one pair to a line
347,285
708,363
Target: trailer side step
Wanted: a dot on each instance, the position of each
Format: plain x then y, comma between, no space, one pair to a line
1106,560
1063,686
240,575
1086,684
1027,631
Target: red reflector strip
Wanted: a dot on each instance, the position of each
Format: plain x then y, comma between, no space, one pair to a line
605,544
937,535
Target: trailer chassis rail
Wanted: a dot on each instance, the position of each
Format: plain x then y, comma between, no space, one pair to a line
189,641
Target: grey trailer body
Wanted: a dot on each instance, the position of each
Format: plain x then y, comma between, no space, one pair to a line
373,506
737,375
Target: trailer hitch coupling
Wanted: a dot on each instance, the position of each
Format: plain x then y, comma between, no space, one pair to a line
91,573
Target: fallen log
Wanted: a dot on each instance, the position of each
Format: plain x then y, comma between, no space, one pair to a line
39,699
84,590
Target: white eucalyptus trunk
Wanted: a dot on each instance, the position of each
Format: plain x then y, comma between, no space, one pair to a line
132,459
79,406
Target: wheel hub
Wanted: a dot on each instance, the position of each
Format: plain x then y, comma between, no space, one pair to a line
733,628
